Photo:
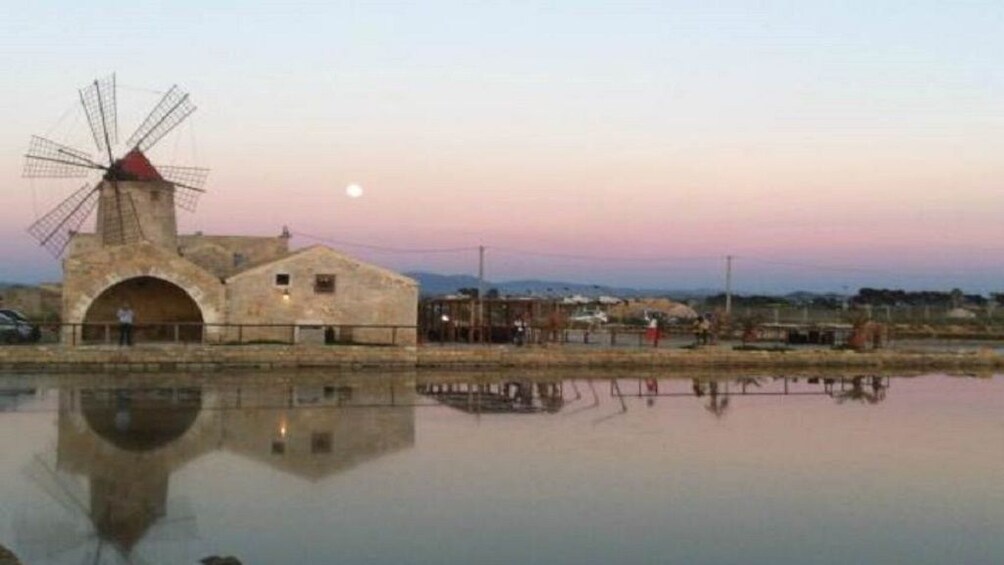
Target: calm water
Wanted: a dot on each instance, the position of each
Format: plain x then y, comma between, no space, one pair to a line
483,469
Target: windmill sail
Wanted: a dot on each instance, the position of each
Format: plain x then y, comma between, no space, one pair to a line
188,183
120,222
172,109
98,100
47,159
54,230
122,177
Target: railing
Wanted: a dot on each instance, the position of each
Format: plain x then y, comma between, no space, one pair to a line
904,314
610,335
110,333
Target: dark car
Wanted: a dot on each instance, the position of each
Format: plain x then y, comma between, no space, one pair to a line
15,328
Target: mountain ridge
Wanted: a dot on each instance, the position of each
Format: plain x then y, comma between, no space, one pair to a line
435,284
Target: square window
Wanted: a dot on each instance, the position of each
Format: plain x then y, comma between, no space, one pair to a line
324,284
240,260
320,442
278,447
282,279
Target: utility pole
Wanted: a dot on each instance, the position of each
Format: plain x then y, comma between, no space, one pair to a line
481,292
728,285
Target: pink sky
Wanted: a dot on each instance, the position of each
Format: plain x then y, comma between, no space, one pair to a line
815,138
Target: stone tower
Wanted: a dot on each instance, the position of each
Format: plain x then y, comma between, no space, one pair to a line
133,211
136,204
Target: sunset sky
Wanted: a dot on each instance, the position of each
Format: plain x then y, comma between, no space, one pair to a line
828,145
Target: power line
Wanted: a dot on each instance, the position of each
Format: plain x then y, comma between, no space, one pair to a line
621,258
819,267
606,258
384,249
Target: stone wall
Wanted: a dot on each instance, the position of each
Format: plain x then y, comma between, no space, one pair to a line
151,203
52,358
226,255
88,276
362,295
36,302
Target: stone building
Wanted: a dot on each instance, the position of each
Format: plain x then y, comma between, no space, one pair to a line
40,302
224,288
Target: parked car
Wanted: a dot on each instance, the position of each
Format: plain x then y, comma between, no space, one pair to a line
15,328
589,317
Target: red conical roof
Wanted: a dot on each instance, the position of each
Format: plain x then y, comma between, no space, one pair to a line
137,166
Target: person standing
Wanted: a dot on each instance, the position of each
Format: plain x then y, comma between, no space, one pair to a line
519,336
706,329
653,331
696,329
126,317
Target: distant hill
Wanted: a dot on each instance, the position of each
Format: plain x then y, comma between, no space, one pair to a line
433,284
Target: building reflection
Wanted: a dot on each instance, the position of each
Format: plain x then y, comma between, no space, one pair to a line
509,395
870,390
126,442
506,396
715,393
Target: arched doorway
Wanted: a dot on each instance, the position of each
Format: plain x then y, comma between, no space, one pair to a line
164,312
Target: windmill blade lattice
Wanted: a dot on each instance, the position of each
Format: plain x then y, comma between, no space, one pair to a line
47,159
98,99
54,230
122,226
172,109
188,183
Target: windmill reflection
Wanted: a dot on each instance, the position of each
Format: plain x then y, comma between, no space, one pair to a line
127,442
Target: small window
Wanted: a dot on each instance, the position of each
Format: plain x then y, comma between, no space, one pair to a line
278,447
282,279
324,284
240,260
320,442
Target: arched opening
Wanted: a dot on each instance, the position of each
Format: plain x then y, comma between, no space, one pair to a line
163,312
141,419
128,494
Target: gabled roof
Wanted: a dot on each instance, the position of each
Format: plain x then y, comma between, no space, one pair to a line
322,250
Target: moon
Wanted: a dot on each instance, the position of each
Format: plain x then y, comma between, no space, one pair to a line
354,190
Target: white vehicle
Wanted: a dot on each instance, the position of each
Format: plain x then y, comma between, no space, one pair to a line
589,317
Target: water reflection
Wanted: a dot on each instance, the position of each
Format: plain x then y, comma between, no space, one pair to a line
716,393
175,472
126,443
509,396
513,396
10,398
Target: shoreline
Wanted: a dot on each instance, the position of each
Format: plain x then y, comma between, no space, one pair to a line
199,358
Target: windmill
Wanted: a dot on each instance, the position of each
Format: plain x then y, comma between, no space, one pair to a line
134,198
91,528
